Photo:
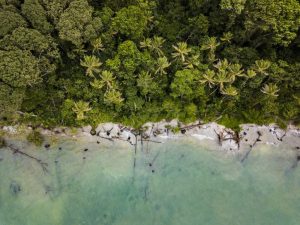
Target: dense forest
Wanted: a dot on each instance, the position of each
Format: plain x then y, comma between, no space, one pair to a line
76,62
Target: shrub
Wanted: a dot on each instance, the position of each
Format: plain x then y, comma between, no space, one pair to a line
35,137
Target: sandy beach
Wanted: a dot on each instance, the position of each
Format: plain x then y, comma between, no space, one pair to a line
218,136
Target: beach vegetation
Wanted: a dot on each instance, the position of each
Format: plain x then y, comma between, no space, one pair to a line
35,137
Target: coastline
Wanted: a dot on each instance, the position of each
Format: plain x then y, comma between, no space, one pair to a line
218,136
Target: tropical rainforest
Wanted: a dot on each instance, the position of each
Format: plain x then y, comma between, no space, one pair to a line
76,62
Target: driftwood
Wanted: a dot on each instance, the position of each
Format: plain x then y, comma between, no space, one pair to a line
235,136
106,138
221,137
39,161
252,146
280,138
108,131
148,140
191,126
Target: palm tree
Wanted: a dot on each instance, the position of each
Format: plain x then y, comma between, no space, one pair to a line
92,64
270,90
162,64
108,79
192,62
157,44
210,44
147,43
79,50
261,66
182,51
113,96
80,108
209,78
97,45
222,77
229,90
222,65
97,84
154,45
235,71
227,37
250,73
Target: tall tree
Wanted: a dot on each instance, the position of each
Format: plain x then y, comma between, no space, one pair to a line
77,23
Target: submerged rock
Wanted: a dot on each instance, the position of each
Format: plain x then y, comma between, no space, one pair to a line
2,142
14,187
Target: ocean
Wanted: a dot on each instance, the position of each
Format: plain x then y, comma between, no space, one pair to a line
179,182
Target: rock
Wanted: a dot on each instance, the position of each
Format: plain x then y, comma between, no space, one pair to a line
45,132
58,130
93,132
10,129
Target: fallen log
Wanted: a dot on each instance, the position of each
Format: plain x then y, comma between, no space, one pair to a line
17,151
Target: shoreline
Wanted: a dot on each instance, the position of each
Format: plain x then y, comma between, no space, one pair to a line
224,138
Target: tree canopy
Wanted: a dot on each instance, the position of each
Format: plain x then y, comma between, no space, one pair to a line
75,62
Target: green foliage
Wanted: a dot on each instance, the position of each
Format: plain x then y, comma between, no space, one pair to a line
77,24
19,68
9,21
230,122
10,101
276,19
42,47
92,65
35,137
146,84
37,16
233,5
80,108
131,21
76,62
184,84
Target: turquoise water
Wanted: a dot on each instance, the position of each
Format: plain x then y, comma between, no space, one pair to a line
186,184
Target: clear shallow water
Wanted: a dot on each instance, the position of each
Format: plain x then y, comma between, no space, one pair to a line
185,185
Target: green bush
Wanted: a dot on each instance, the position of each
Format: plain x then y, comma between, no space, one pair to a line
36,138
